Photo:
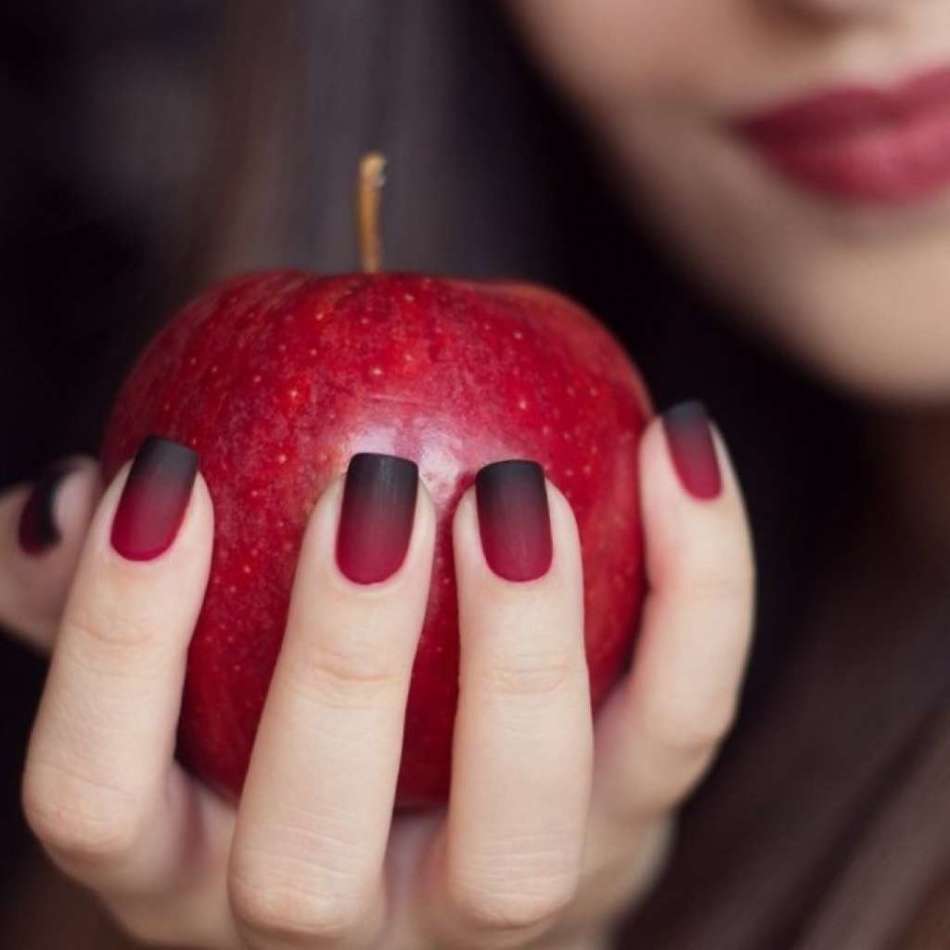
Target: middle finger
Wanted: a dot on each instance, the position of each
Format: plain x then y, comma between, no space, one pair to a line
306,865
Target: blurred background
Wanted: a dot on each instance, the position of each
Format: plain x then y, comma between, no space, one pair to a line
155,146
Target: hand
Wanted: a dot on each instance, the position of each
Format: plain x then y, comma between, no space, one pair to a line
42,529
551,831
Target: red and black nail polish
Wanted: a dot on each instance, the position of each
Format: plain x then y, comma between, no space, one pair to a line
154,500
689,436
38,531
513,519
376,516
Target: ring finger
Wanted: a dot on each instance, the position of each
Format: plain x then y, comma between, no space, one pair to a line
509,859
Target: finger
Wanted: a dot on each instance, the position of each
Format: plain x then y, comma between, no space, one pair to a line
306,867
100,789
510,857
662,727
42,529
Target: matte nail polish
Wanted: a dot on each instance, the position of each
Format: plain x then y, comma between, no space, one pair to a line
38,531
513,519
154,500
689,436
376,516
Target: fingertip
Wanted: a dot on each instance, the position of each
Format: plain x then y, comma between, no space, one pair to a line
77,497
564,529
197,528
681,513
466,543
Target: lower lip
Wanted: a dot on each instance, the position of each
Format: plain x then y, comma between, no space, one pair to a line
899,156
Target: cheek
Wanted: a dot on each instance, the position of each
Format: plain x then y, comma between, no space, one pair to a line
608,52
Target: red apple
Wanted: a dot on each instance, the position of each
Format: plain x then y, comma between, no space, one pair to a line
277,379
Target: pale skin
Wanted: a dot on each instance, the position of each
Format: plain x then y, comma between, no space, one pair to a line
304,861
311,856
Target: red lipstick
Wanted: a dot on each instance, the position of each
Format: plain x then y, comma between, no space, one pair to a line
861,144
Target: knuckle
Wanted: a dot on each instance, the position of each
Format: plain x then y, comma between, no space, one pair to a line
498,907
149,927
110,634
82,823
717,575
694,730
531,673
348,675
290,913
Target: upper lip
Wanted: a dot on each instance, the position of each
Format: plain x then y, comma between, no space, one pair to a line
849,110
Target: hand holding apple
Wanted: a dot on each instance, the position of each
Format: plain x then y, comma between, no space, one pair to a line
552,828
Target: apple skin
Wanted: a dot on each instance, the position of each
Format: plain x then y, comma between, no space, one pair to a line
277,379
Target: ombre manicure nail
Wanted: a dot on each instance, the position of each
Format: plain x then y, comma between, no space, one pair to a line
513,519
689,436
376,516
38,531
154,500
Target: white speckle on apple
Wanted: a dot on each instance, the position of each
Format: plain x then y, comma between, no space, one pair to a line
319,315
281,459
409,298
518,335
256,379
246,568
294,393
312,351
522,404
376,371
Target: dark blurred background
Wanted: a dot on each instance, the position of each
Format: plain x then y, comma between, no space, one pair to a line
151,147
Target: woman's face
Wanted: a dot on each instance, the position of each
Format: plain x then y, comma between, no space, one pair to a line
796,151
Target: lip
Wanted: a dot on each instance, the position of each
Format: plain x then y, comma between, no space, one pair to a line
861,143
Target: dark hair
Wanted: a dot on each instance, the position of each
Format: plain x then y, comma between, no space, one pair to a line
161,148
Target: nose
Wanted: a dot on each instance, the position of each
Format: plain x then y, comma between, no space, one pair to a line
841,9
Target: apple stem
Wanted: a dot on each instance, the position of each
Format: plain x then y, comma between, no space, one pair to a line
368,198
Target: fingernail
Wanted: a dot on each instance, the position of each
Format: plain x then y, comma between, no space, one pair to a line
38,531
689,436
154,499
376,516
513,519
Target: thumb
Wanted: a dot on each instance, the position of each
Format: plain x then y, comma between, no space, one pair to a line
42,529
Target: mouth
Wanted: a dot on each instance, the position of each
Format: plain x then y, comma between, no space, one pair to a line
861,144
